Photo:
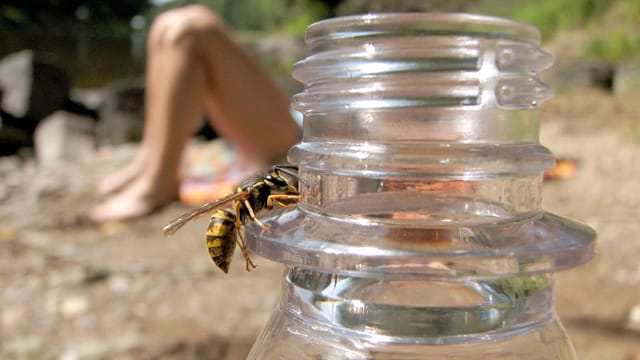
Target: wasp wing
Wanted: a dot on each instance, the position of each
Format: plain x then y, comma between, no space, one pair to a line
175,224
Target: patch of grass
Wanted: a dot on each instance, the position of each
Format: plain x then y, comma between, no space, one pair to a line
613,25
617,35
551,16
301,15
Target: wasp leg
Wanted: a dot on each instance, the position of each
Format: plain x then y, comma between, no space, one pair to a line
245,253
277,200
241,244
253,217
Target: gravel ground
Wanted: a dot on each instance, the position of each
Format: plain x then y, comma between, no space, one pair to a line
596,300
72,290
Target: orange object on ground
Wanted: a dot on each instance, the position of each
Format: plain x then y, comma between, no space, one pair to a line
206,172
564,169
200,191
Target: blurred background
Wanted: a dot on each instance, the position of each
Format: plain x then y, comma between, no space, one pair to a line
101,41
70,73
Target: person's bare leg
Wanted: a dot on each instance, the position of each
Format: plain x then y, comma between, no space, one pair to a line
246,106
174,103
192,61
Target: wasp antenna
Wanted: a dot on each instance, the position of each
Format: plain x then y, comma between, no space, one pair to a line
169,229
286,166
291,170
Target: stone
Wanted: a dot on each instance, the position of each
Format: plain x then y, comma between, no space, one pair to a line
33,87
64,136
8,233
626,78
90,98
22,347
120,109
119,284
12,315
74,305
121,113
633,320
101,347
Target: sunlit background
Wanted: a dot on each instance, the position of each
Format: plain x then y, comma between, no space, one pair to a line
99,41
71,289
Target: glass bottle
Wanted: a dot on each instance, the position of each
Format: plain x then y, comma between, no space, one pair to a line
420,232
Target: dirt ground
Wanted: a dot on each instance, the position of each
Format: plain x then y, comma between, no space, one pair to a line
70,289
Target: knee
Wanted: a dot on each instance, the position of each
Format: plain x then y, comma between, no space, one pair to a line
183,25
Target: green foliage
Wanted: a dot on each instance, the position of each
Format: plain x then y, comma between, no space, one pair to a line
12,14
261,15
301,15
621,39
553,15
519,288
613,25
69,16
288,16
614,46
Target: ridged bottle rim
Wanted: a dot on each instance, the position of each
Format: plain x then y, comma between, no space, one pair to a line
420,24
421,146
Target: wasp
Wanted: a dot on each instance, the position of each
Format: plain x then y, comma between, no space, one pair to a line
251,196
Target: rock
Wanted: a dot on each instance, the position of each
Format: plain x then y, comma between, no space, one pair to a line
64,136
633,321
12,316
33,87
121,113
119,284
101,347
22,347
8,233
626,78
94,275
112,228
74,305
87,348
89,98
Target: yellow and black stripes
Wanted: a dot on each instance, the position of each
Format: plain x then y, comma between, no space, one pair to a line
222,238
251,197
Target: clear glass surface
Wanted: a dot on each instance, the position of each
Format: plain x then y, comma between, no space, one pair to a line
326,316
424,244
419,233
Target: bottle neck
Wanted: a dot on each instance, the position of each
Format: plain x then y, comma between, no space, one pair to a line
420,104
421,147
419,312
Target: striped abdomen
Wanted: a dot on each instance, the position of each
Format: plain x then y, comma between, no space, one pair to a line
221,238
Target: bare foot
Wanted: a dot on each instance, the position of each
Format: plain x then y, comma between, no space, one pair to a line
123,177
137,199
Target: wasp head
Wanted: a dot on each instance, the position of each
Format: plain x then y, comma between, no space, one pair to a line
279,183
